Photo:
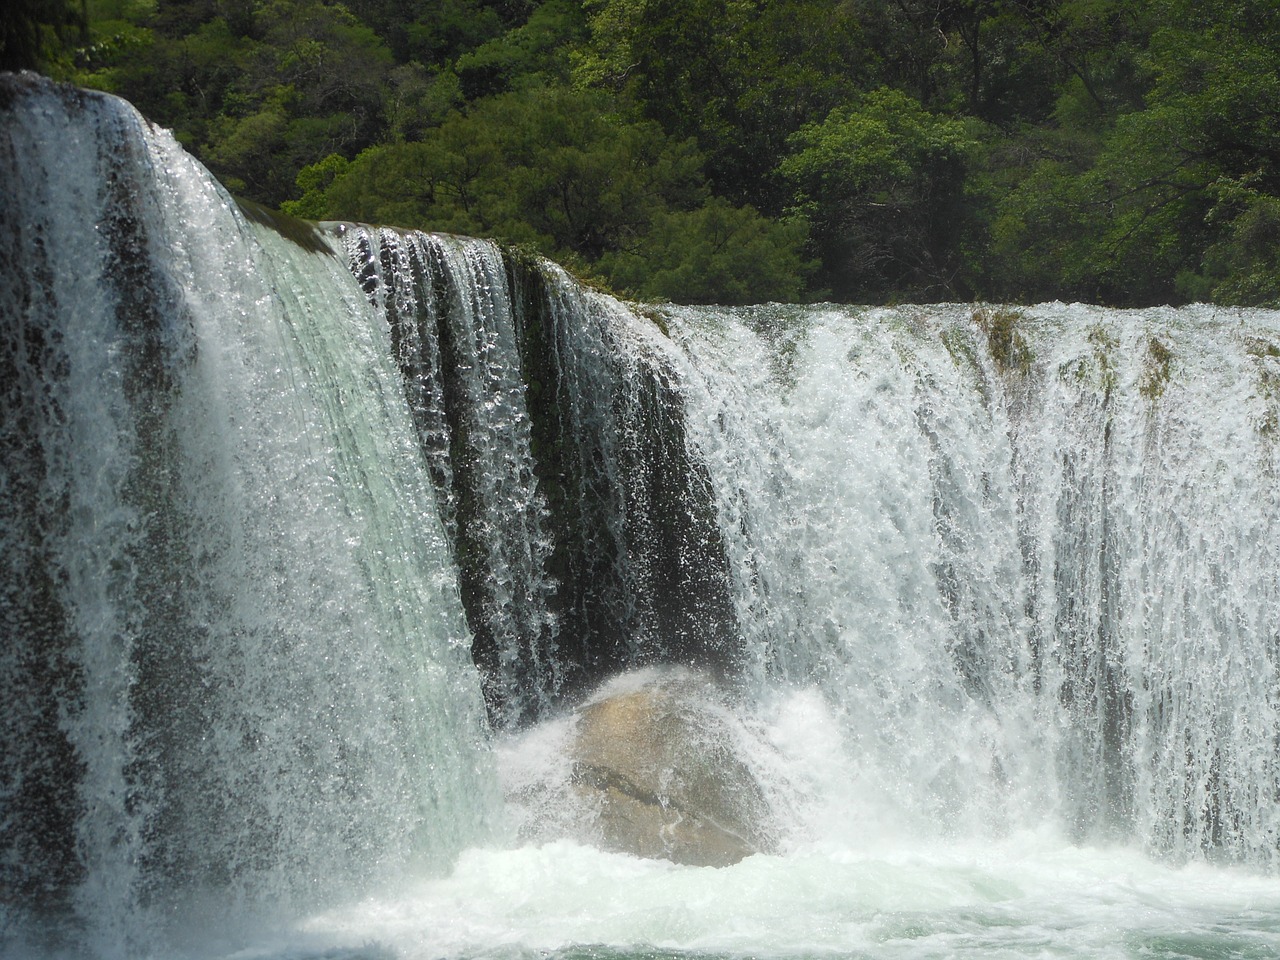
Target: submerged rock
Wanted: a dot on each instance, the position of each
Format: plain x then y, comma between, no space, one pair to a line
661,760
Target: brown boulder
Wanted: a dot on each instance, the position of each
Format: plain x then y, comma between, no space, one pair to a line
662,763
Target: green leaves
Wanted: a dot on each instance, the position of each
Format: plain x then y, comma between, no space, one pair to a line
1168,205
717,253
872,148
882,180
738,76
34,33
612,197
1242,266
1126,151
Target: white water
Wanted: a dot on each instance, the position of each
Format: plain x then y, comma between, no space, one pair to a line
453,290
953,779
264,673
1041,596
1009,636
1023,898
856,880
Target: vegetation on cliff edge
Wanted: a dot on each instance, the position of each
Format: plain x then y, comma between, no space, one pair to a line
1119,151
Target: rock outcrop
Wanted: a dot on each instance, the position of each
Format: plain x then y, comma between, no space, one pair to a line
661,760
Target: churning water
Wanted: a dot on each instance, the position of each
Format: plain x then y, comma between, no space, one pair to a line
312,538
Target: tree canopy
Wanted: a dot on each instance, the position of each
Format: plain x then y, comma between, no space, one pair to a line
1121,151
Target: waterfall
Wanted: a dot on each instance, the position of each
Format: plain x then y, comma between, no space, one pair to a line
235,662
1031,554
310,533
584,530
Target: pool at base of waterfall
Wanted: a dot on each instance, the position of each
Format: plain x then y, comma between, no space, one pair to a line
1027,895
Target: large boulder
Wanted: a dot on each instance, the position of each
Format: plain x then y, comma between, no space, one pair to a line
665,765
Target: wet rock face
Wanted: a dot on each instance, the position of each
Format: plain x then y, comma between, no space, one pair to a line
661,762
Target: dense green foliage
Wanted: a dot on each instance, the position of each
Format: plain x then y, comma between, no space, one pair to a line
1121,151
39,34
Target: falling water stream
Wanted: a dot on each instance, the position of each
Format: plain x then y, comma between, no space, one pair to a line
313,536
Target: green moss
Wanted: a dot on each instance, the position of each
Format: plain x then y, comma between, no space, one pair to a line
1265,353
654,316
1104,346
1101,338
960,348
1097,369
304,233
1269,423
1258,347
959,344
1156,369
1008,347
1269,383
523,256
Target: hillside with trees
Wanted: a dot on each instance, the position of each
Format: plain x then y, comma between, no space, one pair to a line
1124,152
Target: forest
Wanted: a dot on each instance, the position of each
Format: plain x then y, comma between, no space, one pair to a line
1121,152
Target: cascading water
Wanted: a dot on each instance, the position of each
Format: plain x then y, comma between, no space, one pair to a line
235,663
1039,578
991,597
584,534
449,311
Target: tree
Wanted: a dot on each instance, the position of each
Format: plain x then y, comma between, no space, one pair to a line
532,54
717,253
882,180
736,75
550,167
1094,149
313,85
36,34
1242,266
1179,190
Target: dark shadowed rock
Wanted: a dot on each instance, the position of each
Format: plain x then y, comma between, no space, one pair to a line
661,760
